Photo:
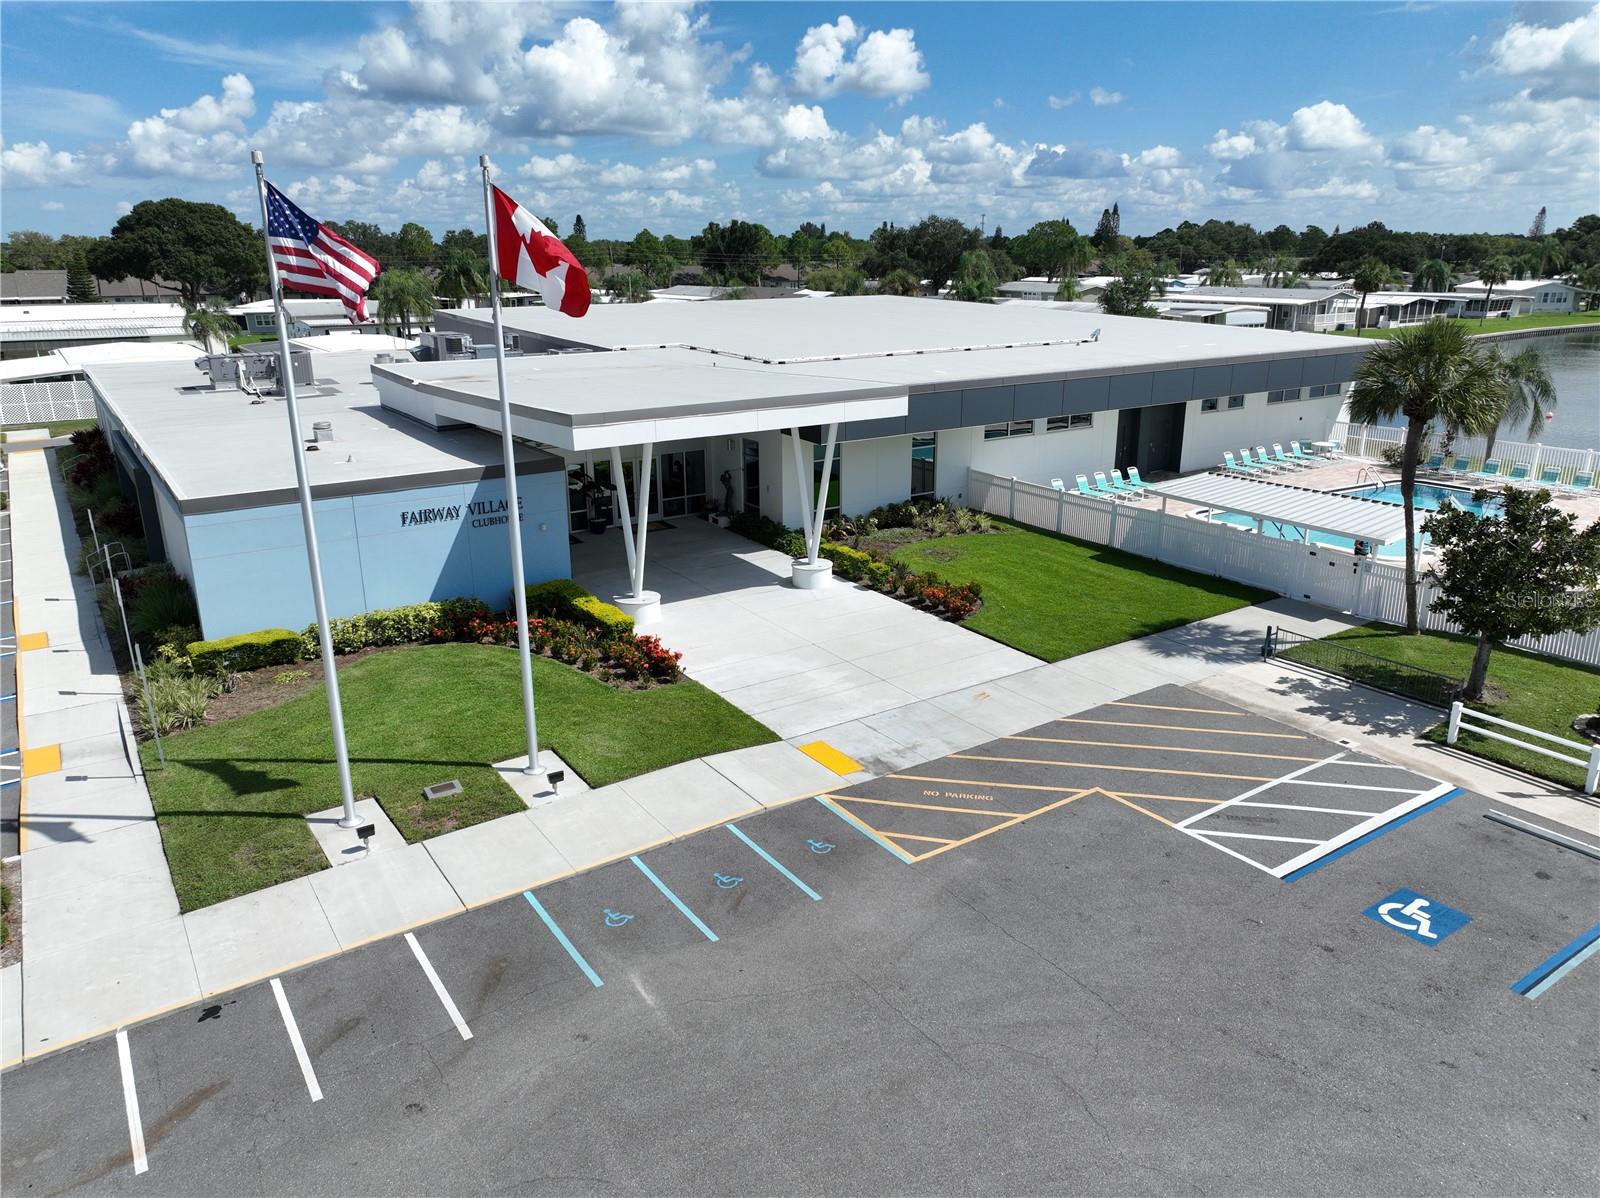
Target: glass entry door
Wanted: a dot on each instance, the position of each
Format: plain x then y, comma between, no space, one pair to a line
683,482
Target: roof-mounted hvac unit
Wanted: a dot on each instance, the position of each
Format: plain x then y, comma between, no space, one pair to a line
254,371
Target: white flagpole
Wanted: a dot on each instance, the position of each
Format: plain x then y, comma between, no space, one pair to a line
341,752
508,452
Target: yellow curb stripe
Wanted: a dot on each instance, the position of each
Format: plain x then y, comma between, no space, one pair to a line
32,640
46,759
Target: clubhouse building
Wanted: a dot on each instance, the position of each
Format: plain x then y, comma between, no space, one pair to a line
841,404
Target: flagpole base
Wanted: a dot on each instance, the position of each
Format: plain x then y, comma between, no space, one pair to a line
811,576
645,607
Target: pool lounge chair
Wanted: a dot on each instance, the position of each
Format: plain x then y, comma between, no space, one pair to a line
1134,481
1284,459
1582,484
1298,453
1233,467
1520,473
1260,461
1102,487
1057,485
1085,489
1491,470
1550,476
1459,467
1434,465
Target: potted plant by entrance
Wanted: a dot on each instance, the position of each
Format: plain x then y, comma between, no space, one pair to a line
596,497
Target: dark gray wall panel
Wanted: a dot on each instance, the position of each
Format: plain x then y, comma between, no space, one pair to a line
1212,380
1037,401
1248,376
1345,367
861,430
1131,390
1173,386
1317,370
934,410
986,405
1284,373
1086,395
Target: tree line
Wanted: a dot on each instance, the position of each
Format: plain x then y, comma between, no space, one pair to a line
204,250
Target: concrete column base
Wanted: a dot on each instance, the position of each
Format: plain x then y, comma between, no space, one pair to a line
811,576
645,607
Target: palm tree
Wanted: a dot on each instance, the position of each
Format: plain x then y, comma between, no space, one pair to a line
1433,275
900,282
1223,274
1077,255
401,295
1528,394
1370,274
1493,272
1552,257
1068,288
461,273
1280,271
1587,280
210,323
1433,372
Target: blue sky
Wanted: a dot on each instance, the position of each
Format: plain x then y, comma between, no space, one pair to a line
1446,116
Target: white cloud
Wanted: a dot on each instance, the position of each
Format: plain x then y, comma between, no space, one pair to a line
1060,102
194,140
1554,60
805,124
885,62
123,207
1101,98
1228,146
35,164
1076,162
1158,157
1326,126
52,206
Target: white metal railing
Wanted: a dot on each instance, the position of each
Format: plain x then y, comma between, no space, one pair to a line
1474,721
1368,441
1319,574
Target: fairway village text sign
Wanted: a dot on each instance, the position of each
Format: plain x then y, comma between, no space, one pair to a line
484,513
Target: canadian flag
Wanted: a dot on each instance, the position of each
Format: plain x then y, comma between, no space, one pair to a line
534,259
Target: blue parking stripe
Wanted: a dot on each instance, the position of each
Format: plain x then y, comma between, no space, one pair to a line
1343,850
774,862
675,900
862,828
1556,966
555,930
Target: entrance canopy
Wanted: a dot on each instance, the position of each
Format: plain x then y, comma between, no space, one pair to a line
581,401
1318,511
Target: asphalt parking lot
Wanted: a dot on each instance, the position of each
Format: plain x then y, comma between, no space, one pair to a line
1005,971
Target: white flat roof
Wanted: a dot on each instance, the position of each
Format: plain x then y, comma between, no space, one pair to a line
1321,511
597,400
70,359
217,451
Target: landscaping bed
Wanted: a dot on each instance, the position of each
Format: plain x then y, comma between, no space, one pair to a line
1540,692
231,802
1053,597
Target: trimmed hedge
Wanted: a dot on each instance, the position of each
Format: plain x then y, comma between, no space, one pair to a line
554,598
603,616
247,651
563,599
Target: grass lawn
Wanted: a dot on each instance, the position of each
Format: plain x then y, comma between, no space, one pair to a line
1542,320
1055,598
57,428
243,339
231,799
1541,692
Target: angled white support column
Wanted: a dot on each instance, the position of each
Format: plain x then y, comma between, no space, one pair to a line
644,606
815,571
801,473
619,481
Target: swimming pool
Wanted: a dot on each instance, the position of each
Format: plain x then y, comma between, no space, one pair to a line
1427,498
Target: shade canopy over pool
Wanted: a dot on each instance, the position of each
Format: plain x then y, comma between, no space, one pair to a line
1350,516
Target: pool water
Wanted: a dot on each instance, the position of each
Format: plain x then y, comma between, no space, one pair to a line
1427,499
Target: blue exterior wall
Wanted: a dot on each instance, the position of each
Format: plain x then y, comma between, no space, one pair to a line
248,567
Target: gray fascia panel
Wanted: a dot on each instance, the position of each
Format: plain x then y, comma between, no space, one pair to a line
933,410
1172,386
1086,395
1248,377
1037,401
1345,367
865,430
1285,372
1212,380
1317,370
986,405
1132,390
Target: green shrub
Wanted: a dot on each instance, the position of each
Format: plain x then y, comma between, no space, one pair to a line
848,563
159,602
792,543
407,625
602,616
554,598
179,698
880,576
247,651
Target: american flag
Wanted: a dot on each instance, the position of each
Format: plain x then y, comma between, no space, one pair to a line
311,257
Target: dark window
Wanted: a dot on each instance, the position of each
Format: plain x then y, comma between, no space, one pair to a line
1235,401
835,485
1208,405
924,459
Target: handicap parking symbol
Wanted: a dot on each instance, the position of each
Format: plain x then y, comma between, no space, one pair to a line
1423,919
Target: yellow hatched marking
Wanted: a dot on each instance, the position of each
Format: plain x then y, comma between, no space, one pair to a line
1160,707
975,782
1136,807
850,817
930,807
1115,744
911,836
1125,769
1010,823
1180,728
823,753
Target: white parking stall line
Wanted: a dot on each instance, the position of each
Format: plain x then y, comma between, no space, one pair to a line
1205,839
1259,836
1381,819
299,1045
130,1100
1393,790
1183,824
1317,810
438,988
